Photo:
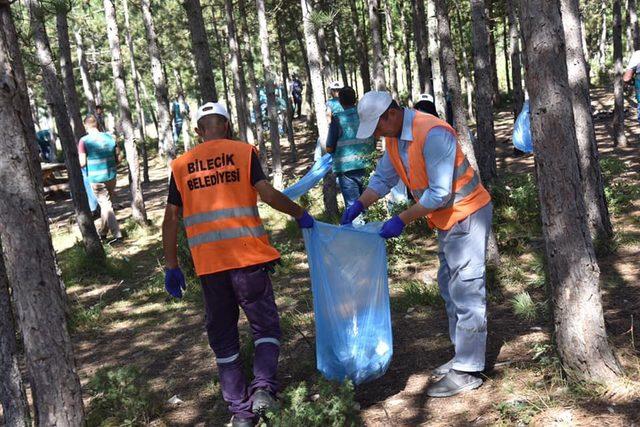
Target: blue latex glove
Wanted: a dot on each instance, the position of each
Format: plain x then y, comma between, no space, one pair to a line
305,221
352,213
174,282
392,228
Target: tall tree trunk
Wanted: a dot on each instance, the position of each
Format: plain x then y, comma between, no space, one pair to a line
591,177
29,259
253,86
272,110
239,89
422,48
492,52
94,58
222,61
602,45
407,49
87,86
580,333
138,211
514,54
436,67
486,141
340,54
619,137
505,51
165,136
55,99
393,66
147,101
201,51
327,68
633,23
66,69
315,66
467,82
142,123
379,80
13,398
288,117
309,89
362,48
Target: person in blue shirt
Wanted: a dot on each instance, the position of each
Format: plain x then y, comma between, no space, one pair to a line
351,156
179,109
99,152
333,104
296,93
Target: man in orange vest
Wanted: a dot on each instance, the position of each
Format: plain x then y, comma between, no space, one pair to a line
423,152
216,186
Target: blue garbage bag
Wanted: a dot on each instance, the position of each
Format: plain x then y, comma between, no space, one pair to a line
311,178
522,130
93,201
351,301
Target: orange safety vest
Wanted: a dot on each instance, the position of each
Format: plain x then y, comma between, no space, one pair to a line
220,211
469,195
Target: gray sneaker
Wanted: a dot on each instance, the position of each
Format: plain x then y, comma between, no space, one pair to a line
263,401
443,369
453,383
241,422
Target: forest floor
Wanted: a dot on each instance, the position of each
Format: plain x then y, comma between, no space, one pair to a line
130,338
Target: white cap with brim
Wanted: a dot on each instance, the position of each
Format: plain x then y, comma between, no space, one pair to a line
372,105
335,85
211,108
425,97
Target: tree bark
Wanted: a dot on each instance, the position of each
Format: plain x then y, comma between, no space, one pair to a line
288,117
136,94
633,23
467,81
55,99
393,66
66,69
29,260
516,65
272,111
436,67
580,333
138,210
87,86
486,141
492,52
309,89
590,174
422,48
253,87
407,50
505,51
239,88
602,45
201,51
362,50
379,80
340,54
13,398
619,137
165,136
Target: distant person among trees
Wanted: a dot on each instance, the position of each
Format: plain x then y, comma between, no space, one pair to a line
179,109
214,187
631,74
426,105
102,126
351,156
99,152
333,104
296,94
424,153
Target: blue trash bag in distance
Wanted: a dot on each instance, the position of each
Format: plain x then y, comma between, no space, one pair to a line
311,178
522,130
351,301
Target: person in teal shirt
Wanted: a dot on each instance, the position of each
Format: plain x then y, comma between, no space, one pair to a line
333,104
351,156
631,75
98,152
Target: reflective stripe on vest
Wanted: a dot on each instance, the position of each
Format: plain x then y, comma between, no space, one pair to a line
220,214
229,233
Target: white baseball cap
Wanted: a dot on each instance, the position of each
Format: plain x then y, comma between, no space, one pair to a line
211,108
425,97
372,105
336,85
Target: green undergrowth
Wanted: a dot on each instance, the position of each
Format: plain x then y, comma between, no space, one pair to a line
416,293
120,397
79,268
319,404
620,193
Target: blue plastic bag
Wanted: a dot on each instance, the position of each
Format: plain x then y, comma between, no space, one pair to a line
311,178
351,301
91,197
522,130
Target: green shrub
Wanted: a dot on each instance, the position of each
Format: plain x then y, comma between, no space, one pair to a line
418,293
78,267
82,318
612,167
120,398
524,307
324,404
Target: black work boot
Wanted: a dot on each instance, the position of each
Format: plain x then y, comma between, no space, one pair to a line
453,383
263,401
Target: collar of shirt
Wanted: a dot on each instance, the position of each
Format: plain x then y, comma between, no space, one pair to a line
407,125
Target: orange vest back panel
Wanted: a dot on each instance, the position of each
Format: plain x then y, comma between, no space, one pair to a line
469,195
220,211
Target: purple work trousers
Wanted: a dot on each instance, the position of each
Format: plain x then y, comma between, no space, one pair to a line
249,288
